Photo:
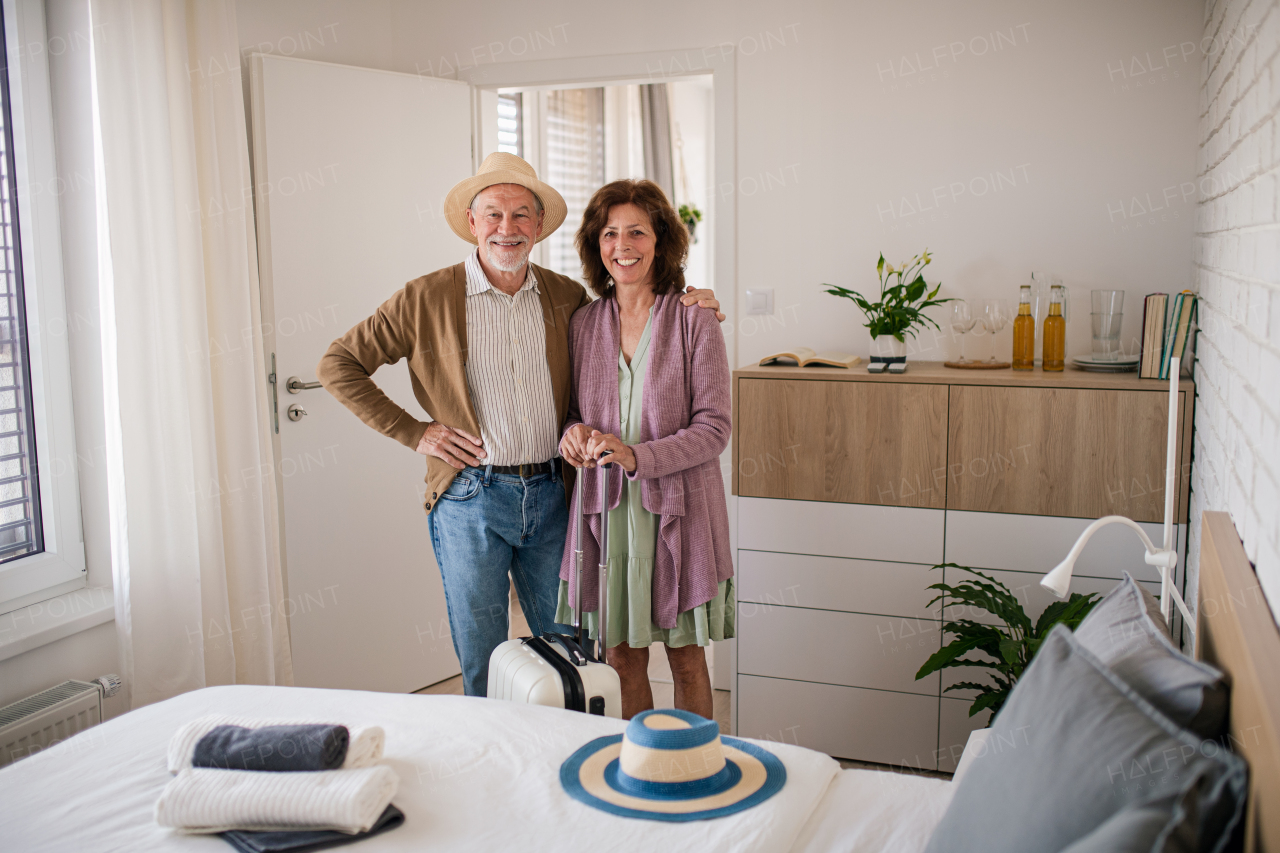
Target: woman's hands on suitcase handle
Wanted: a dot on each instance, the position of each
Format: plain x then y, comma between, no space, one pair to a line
600,443
582,446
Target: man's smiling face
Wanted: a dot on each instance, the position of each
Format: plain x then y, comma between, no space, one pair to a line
506,223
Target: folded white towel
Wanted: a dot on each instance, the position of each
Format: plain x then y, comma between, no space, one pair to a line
364,749
202,799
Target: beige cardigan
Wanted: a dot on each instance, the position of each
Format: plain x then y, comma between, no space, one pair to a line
426,323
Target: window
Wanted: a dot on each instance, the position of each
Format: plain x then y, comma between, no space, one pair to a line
21,531
41,542
511,124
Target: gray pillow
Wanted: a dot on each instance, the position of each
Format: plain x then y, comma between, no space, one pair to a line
1126,631
1078,761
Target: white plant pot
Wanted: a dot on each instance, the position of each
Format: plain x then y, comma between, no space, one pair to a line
888,349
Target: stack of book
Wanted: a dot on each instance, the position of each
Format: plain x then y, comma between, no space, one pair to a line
1163,339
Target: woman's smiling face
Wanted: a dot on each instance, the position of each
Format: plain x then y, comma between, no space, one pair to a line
627,245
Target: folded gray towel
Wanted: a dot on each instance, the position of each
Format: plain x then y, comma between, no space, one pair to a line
299,840
274,748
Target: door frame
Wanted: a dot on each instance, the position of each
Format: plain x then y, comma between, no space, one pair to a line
720,61
651,67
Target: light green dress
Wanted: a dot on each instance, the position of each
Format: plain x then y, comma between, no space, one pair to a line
633,538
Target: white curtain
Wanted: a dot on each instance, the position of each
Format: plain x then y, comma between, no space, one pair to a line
195,544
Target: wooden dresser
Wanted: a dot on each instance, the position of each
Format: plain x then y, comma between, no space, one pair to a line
851,486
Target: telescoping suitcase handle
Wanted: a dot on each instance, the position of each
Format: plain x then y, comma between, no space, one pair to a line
578,622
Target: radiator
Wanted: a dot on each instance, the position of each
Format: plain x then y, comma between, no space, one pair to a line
51,716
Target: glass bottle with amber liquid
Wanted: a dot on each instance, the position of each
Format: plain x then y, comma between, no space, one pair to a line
1055,331
1024,333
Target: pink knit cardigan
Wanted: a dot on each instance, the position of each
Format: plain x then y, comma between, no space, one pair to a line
685,426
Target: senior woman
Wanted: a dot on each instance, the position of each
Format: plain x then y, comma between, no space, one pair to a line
651,384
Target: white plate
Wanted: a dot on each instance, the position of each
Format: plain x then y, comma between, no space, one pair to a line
1123,361
1110,368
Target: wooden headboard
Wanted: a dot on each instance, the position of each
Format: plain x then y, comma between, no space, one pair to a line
1237,633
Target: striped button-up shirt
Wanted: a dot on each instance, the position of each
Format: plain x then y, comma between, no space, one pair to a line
507,371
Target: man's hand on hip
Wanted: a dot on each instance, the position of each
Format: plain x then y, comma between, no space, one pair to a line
454,446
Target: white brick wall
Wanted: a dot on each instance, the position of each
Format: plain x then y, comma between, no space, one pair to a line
1237,270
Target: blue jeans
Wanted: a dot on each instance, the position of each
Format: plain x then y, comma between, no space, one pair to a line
484,526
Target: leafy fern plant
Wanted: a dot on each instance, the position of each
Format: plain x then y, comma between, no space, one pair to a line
1010,648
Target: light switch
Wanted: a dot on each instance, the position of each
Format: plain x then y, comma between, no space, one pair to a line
760,301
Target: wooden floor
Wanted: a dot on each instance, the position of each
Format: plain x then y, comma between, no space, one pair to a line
663,697
659,674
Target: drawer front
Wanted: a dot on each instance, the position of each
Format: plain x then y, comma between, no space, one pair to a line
1032,543
852,649
1074,452
837,583
859,442
953,731
847,722
1030,594
841,530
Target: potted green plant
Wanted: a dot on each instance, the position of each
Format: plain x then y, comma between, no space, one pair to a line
1008,648
690,216
900,309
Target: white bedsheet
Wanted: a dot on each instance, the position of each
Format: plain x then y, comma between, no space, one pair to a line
475,775
868,811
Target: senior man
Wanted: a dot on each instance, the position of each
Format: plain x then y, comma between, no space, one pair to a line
488,347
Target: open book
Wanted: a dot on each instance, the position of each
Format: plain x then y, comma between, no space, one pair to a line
805,357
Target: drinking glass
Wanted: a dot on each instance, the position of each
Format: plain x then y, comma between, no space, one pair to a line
995,316
1107,317
962,321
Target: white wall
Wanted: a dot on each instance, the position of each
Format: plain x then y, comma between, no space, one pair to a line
1237,268
838,133
1004,136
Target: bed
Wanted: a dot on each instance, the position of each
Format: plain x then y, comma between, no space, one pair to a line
475,775
480,775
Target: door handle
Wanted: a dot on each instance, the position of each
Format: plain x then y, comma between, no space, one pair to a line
295,385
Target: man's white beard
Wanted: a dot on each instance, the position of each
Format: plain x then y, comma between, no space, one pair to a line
517,257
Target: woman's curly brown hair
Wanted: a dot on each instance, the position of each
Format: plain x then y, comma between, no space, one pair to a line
671,240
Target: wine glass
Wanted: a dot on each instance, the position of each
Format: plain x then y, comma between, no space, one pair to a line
995,316
962,321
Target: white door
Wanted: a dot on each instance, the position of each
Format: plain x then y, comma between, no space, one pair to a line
351,167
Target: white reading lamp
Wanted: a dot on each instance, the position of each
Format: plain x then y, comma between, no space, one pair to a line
1058,581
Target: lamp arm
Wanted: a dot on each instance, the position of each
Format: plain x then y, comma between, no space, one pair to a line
1113,519
1059,580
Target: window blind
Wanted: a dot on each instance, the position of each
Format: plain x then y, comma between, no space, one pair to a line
21,532
511,124
574,133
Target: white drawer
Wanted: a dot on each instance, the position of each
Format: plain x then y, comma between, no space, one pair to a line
1033,597
900,534
846,722
953,730
1037,543
853,649
836,583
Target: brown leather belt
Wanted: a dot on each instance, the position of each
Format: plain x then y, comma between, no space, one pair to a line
528,469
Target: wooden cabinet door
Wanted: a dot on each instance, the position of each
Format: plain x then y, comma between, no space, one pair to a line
1083,453
849,442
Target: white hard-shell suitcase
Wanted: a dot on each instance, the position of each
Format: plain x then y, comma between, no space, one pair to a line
560,671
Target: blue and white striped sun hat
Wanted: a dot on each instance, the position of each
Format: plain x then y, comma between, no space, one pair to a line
672,765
